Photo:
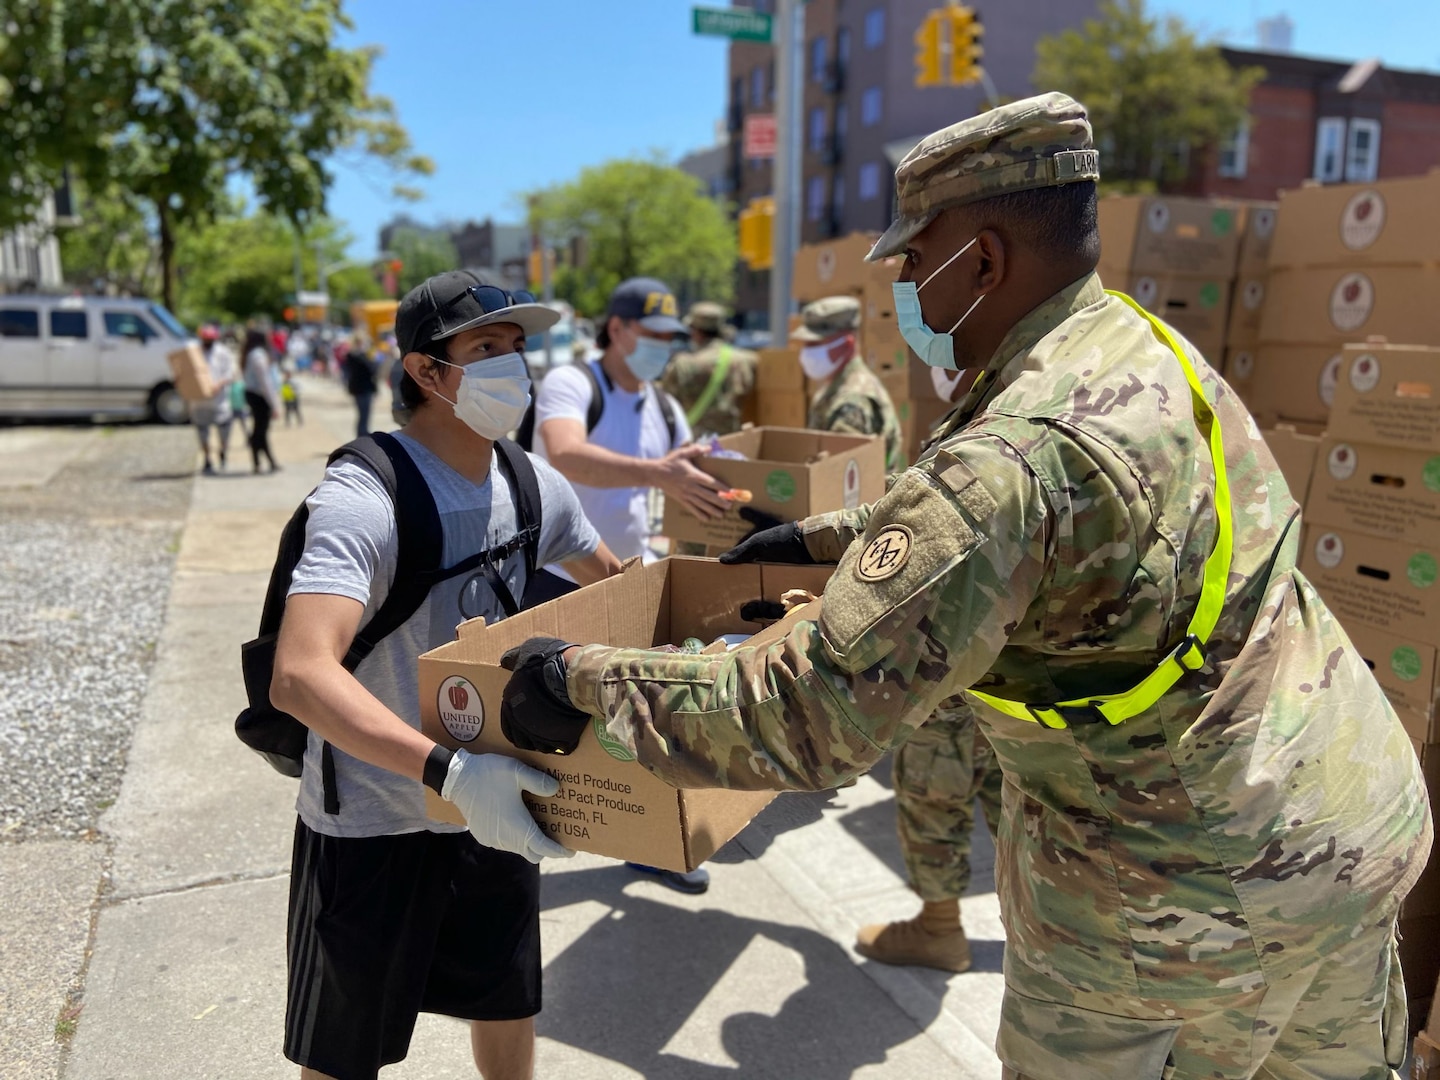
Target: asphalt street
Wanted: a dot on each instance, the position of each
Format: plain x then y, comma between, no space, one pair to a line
144,862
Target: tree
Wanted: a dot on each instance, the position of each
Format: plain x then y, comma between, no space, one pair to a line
1154,92
170,100
422,253
638,218
112,245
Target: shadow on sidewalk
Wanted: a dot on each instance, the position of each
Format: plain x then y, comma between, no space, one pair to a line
627,986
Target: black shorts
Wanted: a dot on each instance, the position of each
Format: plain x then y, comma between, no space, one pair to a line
384,928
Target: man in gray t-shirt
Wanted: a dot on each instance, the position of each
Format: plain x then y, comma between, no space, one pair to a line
392,914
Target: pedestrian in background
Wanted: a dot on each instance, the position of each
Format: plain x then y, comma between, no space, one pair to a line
359,370
290,397
714,379
218,412
260,396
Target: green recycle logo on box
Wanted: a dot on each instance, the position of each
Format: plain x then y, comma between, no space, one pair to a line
611,745
1421,570
1431,474
1405,662
1221,222
780,486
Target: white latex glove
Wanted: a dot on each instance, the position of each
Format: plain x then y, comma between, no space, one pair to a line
486,788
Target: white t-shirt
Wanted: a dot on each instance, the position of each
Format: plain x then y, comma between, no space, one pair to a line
351,547
631,424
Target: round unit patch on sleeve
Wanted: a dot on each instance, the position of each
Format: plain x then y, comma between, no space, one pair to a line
461,710
886,555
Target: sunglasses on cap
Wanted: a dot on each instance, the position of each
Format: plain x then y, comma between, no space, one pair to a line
491,299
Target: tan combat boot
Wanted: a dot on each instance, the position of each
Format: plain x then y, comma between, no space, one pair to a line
933,939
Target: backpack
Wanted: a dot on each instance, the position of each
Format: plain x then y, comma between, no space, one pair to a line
277,736
525,433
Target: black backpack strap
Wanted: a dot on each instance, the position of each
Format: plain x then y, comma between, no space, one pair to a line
596,408
667,412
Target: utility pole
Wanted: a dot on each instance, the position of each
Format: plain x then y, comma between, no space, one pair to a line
789,39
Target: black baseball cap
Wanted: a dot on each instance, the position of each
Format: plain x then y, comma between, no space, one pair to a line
444,305
651,302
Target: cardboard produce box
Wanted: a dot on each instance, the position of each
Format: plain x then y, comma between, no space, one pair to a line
1390,493
1387,223
1247,304
1287,382
1389,395
782,408
1257,233
1336,306
883,347
1425,1057
191,373
918,419
1196,307
790,473
1175,235
1384,584
608,803
1405,670
1294,452
779,369
832,267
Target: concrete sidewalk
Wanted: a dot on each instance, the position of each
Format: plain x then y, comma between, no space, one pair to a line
754,978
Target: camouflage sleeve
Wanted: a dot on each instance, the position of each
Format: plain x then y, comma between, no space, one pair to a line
852,418
674,378
916,612
828,535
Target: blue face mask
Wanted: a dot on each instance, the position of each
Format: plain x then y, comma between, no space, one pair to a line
648,359
937,350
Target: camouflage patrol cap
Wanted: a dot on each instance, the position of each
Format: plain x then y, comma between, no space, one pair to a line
707,317
1039,142
828,317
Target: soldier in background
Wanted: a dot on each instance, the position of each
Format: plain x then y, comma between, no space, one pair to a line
713,380
1211,813
852,400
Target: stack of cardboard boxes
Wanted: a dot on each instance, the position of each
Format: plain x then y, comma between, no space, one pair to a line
1177,258
1372,549
1247,298
1347,262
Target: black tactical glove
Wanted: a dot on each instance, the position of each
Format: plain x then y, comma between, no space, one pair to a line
769,541
535,710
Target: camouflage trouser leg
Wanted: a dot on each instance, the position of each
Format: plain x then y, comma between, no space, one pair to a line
1342,1018
939,773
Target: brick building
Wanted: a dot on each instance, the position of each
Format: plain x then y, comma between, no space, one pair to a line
861,111
1324,120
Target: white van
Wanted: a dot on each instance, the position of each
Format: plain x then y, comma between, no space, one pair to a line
87,356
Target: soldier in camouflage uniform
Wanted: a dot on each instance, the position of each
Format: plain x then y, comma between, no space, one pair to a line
1206,838
852,400
714,379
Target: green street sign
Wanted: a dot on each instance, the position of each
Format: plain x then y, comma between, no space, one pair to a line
739,24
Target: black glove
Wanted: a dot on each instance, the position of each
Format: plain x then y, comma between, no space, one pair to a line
535,710
769,541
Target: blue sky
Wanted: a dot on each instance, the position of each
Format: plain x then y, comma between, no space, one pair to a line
509,96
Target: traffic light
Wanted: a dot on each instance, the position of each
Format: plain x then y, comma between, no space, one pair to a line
757,234
966,50
927,50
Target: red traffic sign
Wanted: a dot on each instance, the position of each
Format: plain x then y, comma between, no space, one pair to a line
760,135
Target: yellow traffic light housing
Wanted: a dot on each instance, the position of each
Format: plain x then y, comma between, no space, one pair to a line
966,50
757,234
928,39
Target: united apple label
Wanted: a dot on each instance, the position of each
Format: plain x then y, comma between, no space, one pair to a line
1252,294
1329,379
1343,462
1351,301
1242,365
460,708
825,265
1362,220
1147,291
1264,223
1329,550
1159,217
852,484
1365,373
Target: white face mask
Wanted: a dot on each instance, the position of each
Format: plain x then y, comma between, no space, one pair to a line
493,394
824,359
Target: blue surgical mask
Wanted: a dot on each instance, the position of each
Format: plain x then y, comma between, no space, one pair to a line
937,350
648,359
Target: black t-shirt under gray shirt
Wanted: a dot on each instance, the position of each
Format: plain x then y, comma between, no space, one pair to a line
350,550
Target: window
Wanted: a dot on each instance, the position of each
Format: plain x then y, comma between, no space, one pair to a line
128,324
1329,149
817,59
757,87
1235,153
869,181
870,107
817,128
69,324
1362,151
815,198
19,322
874,28
842,46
